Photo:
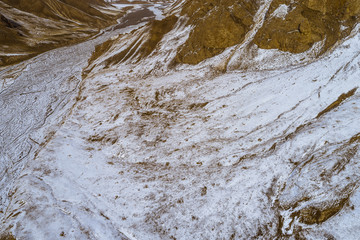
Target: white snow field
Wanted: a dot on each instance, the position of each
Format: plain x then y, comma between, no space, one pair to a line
147,151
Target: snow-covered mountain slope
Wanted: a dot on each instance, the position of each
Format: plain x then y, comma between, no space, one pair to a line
130,143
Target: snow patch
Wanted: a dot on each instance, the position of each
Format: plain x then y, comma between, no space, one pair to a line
281,11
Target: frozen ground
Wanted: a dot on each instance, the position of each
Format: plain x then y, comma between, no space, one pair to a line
187,153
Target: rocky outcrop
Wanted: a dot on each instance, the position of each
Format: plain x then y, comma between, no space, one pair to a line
294,26
216,27
291,26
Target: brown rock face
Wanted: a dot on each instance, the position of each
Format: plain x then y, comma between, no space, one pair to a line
306,22
217,25
292,26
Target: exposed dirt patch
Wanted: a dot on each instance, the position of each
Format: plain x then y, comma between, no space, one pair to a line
134,18
314,215
7,236
337,103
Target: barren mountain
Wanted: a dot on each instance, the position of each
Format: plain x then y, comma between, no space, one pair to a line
188,119
32,27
